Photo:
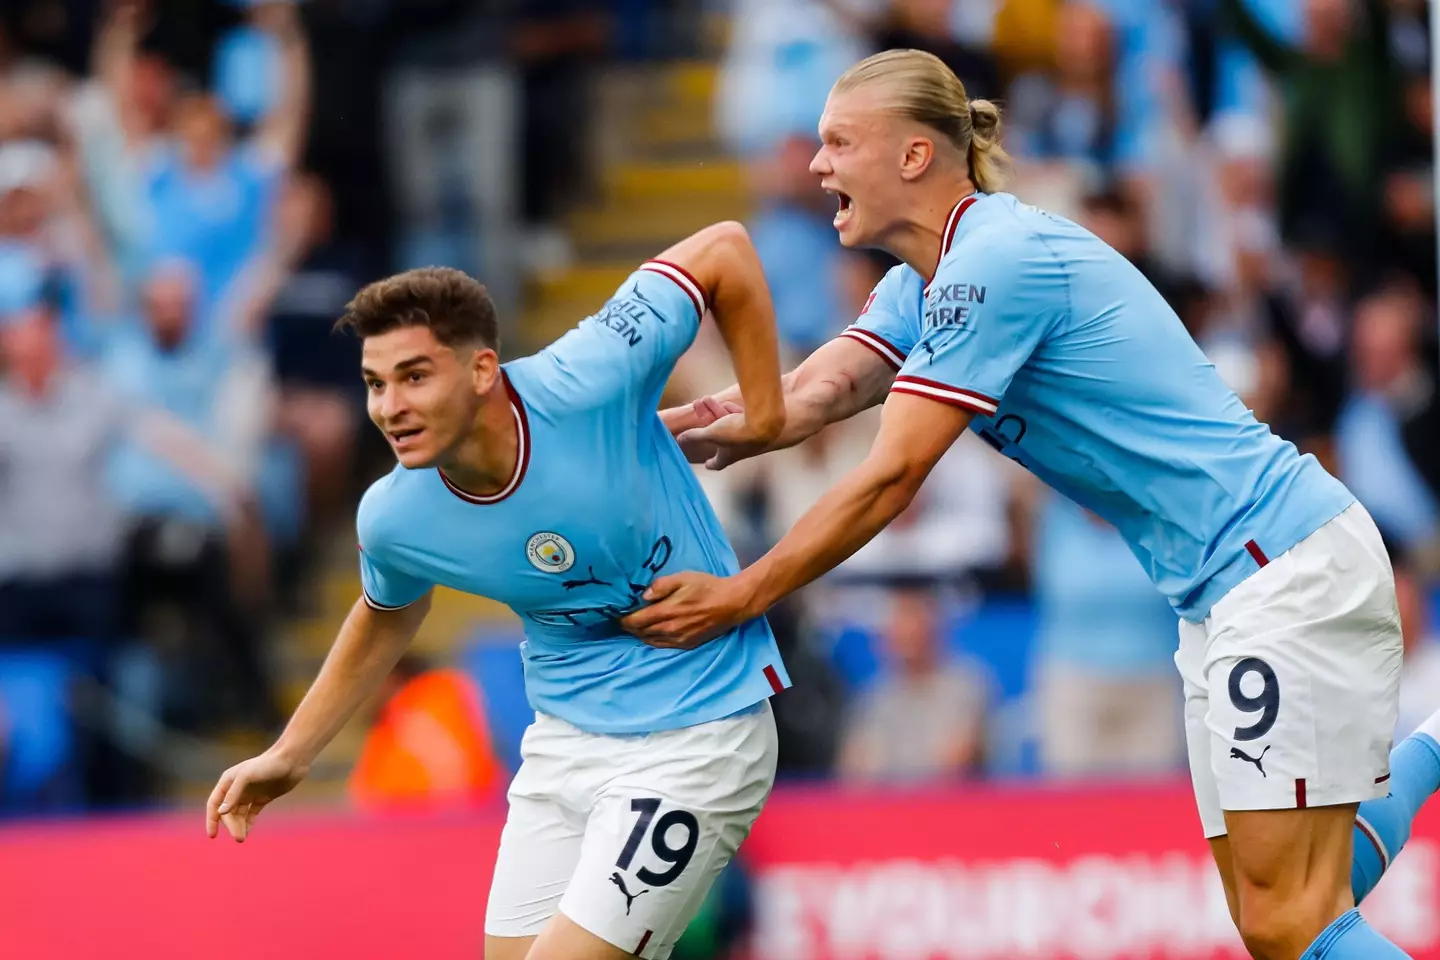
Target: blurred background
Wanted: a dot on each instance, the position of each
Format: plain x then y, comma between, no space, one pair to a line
191,190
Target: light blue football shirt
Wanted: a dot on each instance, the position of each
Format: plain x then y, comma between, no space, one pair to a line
601,503
1077,368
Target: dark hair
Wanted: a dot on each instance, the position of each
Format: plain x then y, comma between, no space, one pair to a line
456,307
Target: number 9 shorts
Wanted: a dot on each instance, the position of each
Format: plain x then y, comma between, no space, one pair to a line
1292,682
625,835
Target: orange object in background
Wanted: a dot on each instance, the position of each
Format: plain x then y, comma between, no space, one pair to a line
430,746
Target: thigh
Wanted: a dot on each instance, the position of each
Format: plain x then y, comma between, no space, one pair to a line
660,834
1297,861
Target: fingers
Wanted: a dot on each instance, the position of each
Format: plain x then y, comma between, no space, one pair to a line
230,810
662,587
237,822
212,805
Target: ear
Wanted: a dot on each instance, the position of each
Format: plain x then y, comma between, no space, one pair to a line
484,370
918,156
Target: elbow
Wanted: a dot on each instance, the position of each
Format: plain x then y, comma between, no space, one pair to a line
897,481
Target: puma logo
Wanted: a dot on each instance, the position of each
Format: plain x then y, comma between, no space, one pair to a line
572,584
619,881
925,345
1237,754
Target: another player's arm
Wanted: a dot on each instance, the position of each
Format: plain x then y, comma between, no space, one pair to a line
367,648
837,381
724,262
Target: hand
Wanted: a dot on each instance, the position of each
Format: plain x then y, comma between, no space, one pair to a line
687,609
701,413
245,789
727,440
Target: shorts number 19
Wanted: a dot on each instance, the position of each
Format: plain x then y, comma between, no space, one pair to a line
678,857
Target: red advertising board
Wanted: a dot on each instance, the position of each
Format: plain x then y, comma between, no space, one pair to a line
1035,873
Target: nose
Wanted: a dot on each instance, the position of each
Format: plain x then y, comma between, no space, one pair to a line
389,405
820,163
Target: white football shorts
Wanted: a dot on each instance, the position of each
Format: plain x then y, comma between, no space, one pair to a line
625,835
1292,682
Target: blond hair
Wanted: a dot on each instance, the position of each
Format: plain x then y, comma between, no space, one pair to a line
923,89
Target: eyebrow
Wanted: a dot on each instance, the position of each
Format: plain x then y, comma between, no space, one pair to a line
400,367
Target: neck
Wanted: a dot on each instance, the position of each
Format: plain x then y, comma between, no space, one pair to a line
487,459
918,240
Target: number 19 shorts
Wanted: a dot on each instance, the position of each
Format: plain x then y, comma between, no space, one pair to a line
625,835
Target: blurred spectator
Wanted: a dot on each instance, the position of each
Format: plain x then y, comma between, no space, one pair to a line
1305,320
555,44
321,399
931,25
1081,115
1342,114
430,745
1420,674
1105,690
782,60
206,198
924,717
1386,434
797,244
725,920
213,564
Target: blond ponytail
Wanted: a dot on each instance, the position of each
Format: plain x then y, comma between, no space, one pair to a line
921,87
989,163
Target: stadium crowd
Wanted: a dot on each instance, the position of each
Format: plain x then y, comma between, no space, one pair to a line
180,437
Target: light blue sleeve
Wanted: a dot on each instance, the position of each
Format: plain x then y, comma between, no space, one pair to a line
384,586
883,325
986,311
630,345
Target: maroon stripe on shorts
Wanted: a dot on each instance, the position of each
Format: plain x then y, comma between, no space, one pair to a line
643,941
1300,794
1256,552
1382,779
774,678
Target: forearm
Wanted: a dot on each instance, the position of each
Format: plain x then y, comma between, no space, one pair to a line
842,522
369,645
745,318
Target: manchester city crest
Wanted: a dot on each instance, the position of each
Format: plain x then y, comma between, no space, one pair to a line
550,552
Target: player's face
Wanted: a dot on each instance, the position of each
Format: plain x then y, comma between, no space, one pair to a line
862,153
423,395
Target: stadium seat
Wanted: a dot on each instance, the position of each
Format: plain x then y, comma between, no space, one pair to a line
493,659
40,762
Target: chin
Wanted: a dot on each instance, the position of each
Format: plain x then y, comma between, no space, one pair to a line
416,459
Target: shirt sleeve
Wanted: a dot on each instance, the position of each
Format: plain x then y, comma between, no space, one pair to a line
882,326
985,314
384,586
631,344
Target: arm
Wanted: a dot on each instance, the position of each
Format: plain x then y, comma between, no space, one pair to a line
367,648
113,61
173,440
914,433
1273,55
723,261
837,381
282,136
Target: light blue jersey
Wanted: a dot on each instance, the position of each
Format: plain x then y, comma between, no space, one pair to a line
1077,369
601,503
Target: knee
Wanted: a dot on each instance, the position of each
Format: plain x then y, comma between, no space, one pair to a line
1276,927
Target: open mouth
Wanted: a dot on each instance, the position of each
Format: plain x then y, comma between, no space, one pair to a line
404,438
846,207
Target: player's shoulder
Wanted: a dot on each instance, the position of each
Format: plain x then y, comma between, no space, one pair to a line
1000,236
383,502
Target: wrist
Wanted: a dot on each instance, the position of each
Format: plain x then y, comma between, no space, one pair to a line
754,597
294,755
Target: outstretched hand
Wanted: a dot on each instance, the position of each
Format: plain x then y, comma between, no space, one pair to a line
725,440
245,789
688,609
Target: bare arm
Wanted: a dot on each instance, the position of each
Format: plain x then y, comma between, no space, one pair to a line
367,648
173,440
724,262
690,608
834,383
283,134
